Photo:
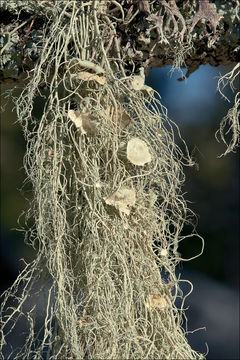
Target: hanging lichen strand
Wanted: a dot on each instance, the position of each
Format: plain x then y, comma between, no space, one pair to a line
229,130
107,206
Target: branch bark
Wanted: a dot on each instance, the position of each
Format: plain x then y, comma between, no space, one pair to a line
149,34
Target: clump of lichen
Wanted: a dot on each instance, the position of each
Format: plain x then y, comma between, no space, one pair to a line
107,208
229,131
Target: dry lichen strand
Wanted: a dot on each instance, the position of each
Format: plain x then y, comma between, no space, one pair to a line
102,263
229,131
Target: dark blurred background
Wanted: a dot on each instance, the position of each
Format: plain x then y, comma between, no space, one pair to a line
212,190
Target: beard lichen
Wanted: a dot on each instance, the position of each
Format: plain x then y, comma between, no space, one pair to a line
106,227
229,131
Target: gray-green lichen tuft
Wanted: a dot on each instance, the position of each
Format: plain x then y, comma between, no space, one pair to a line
107,211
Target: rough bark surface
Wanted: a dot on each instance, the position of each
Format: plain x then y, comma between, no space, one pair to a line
156,33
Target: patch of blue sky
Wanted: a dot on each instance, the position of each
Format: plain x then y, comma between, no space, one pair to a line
193,100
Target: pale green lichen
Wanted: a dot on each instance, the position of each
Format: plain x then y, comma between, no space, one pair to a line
105,227
229,131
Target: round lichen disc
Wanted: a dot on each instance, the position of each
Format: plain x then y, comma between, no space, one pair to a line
138,152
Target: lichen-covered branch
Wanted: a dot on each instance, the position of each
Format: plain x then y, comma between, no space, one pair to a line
150,33
107,211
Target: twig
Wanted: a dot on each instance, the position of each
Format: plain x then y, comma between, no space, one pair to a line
12,32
